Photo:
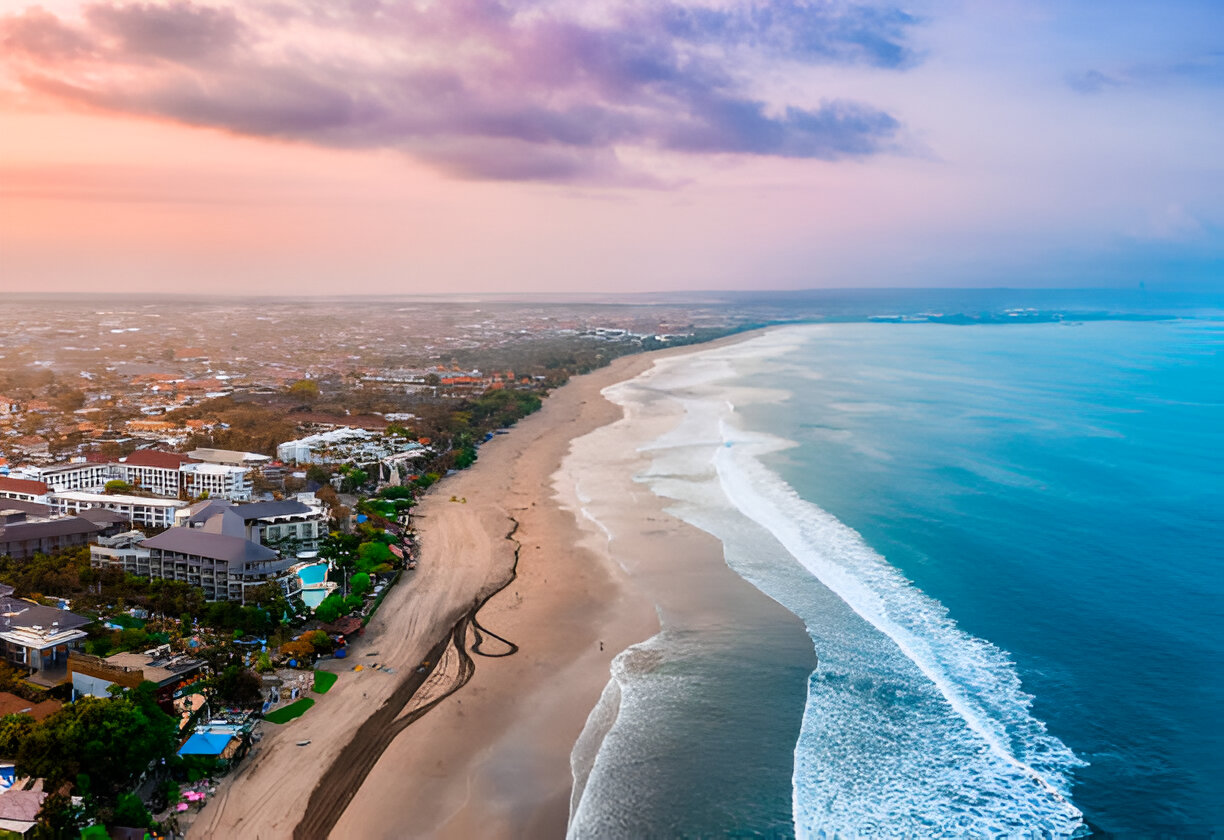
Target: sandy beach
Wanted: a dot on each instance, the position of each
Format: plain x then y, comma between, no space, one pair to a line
400,755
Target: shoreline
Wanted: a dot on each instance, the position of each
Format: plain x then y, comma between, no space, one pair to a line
446,774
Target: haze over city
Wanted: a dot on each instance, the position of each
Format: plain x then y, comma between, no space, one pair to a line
323,148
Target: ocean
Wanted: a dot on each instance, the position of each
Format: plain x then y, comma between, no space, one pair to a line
992,560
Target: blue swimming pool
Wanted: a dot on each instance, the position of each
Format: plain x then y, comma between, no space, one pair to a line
313,575
314,584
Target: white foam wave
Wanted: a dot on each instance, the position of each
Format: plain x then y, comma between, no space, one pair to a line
912,727
976,679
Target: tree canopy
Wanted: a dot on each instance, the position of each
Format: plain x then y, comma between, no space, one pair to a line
107,741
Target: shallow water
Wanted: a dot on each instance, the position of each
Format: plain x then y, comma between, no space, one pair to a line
1003,542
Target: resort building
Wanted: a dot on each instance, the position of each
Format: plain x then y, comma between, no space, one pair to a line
123,552
168,474
288,523
154,471
142,511
38,638
22,538
216,481
219,558
76,476
23,490
323,448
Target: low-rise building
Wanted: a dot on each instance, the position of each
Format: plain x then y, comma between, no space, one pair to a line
325,447
81,475
23,490
155,471
143,511
92,676
229,457
38,638
123,552
22,538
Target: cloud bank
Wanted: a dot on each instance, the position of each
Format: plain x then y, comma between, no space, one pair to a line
536,91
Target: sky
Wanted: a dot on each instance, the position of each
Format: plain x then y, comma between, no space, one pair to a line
320,147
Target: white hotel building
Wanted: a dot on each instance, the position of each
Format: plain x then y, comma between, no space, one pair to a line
143,511
218,481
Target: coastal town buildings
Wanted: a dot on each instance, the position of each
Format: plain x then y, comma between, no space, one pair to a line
22,536
345,445
23,490
168,474
289,522
224,548
93,676
143,511
37,638
123,552
224,566
216,481
154,471
216,556
230,458
77,475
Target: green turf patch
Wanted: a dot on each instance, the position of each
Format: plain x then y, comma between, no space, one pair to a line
323,681
287,713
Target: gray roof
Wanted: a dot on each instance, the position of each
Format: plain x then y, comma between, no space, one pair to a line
15,612
102,516
65,526
201,511
233,550
225,521
32,508
262,510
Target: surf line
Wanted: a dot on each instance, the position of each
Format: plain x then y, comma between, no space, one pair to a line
758,507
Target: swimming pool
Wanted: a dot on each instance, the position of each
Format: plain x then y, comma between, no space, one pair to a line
313,575
314,584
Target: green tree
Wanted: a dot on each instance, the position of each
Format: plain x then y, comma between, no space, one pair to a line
109,741
372,555
237,685
14,729
331,608
130,812
58,819
360,583
354,479
465,457
118,486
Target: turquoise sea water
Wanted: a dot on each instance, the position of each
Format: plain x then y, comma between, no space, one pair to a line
1005,545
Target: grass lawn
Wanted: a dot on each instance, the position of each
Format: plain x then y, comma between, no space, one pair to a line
287,713
323,681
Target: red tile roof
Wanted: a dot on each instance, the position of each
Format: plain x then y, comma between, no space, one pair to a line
22,485
157,458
